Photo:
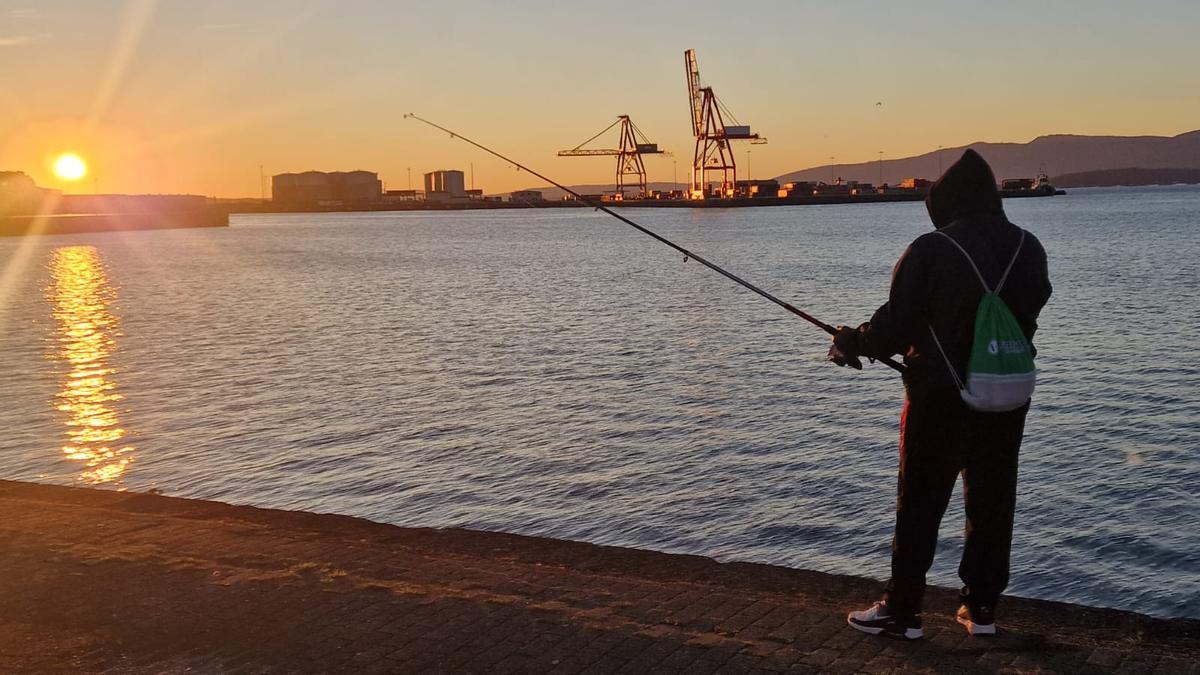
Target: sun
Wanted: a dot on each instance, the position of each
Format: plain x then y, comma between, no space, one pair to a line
70,166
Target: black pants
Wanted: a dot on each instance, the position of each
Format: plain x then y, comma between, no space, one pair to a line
939,439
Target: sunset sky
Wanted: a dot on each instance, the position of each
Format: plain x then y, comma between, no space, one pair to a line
176,96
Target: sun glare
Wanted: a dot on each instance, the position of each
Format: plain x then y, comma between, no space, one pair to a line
70,166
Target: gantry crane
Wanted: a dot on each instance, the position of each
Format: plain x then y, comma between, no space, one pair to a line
713,152
629,156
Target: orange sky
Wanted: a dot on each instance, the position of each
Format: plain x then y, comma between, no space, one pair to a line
194,97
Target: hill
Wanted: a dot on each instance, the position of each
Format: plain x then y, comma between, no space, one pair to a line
1055,155
1109,177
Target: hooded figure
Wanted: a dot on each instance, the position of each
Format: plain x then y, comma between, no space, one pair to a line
933,284
968,188
935,289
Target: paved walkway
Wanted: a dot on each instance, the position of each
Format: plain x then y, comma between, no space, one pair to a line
96,581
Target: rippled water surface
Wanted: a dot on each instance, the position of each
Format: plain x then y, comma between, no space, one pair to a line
556,373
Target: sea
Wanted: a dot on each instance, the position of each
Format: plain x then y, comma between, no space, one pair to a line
554,372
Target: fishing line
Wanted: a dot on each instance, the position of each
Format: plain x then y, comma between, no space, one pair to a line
687,255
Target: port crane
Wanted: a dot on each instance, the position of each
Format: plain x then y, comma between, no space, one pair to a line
713,152
629,155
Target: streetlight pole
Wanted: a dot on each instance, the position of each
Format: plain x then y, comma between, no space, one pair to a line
831,160
881,168
749,176
674,174
410,178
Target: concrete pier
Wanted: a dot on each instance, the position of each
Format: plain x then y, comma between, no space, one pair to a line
116,582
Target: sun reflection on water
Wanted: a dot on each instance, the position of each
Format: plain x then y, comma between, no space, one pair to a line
86,329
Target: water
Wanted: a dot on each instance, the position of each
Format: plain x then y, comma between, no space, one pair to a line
553,372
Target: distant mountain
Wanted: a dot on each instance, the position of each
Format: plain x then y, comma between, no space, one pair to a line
1055,155
1109,177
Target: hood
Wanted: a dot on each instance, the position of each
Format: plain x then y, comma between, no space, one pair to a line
968,188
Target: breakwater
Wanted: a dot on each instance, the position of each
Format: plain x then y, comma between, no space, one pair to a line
77,214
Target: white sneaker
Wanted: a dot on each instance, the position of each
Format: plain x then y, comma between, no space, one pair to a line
979,620
877,620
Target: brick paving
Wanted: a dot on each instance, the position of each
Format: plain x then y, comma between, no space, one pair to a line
98,581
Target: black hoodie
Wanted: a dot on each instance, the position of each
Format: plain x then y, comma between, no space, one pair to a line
933,283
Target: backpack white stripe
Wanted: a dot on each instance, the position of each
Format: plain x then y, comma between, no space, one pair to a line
998,393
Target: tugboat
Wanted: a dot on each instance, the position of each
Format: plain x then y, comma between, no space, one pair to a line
1029,187
1042,185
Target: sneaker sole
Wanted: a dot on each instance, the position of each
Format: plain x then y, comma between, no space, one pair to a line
977,628
909,633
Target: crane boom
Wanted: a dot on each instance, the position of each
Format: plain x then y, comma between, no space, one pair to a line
697,99
714,153
629,156
600,152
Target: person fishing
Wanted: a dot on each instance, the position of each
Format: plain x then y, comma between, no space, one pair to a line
946,426
940,435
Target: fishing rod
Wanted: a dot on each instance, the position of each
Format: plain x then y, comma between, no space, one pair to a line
687,255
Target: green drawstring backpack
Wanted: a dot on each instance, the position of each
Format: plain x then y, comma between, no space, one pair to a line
1000,371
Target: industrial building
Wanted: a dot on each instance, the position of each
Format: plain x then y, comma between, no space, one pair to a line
445,185
527,196
392,196
319,188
